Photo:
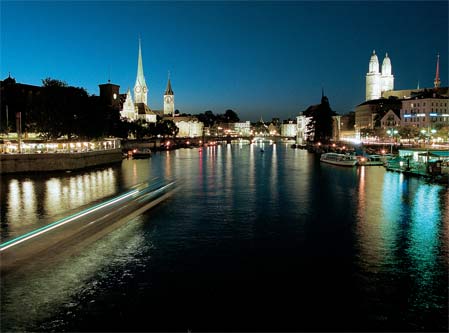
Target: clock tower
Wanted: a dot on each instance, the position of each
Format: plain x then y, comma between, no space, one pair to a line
140,88
169,99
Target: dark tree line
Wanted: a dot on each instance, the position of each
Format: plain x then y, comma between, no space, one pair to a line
61,110
209,119
142,129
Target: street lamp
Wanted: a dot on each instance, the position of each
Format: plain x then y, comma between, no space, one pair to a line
428,134
391,133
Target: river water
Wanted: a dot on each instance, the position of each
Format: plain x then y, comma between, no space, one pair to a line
251,241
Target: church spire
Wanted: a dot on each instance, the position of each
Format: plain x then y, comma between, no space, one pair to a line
437,81
140,77
169,90
140,88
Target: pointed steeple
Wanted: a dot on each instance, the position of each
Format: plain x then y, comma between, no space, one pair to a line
140,88
437,81
418,85
140,77
169,90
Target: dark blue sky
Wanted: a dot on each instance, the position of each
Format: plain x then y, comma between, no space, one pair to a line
257,58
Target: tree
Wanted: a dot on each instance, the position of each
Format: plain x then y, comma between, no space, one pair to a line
207,118
231,117
442,131
408,132
320,124
53,116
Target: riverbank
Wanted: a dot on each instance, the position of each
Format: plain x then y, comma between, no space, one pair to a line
45,162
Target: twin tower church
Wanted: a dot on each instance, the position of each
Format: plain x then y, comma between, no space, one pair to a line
138,108
378,82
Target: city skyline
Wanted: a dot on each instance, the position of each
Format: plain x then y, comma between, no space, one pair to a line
224,55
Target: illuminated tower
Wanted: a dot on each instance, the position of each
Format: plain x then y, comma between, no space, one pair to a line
437,81
373,84
169,99
386,79
140,88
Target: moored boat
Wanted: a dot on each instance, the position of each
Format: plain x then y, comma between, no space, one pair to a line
338,159
145,153
370,160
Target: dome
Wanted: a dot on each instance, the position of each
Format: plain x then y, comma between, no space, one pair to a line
386,65
374,63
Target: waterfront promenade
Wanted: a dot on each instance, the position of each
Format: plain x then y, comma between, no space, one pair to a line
57,156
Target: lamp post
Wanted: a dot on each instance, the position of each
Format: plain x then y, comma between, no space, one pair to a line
428,134
391,133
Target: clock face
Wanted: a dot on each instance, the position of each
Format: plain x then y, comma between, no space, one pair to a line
137,89
144,89
167,99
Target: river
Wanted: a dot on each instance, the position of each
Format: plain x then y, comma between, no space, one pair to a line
251,241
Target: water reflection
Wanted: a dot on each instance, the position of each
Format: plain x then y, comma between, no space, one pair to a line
34,200
274,186
424,241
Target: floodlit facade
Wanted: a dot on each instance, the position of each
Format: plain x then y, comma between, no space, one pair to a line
243,128
189,127
288,128
129,110
301,128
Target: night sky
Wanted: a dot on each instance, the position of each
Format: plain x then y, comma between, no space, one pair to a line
257,58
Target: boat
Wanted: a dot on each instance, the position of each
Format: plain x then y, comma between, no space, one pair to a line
144,153
370,160
338,159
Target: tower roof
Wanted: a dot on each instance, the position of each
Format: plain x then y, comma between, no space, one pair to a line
140,77
386,65
169,90
374,63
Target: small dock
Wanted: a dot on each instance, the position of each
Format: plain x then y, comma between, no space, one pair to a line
433,171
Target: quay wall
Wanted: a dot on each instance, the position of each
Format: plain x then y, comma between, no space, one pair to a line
15,163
